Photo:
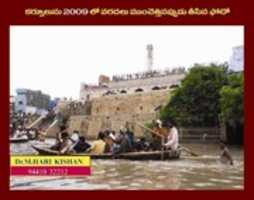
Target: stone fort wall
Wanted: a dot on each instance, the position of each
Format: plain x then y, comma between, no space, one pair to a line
113,112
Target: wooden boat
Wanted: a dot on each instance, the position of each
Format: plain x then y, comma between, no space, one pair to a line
144,155
19,140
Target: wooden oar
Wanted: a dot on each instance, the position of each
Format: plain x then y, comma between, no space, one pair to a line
51,125
162,148
154,132
150,130
182,147
188,151
35,122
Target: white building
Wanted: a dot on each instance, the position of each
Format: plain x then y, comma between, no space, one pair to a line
236,61
30,101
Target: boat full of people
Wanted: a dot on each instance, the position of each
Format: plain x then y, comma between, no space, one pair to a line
120,145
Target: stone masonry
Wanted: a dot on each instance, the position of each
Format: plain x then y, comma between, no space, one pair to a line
113,112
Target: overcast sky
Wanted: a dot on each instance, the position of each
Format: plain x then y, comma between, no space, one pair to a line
56,59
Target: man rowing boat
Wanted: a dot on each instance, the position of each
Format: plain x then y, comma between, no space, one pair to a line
157,135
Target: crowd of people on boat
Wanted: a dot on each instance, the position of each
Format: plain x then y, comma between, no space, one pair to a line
164,137
123,141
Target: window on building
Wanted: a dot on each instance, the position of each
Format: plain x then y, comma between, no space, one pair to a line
156,88
123,91
139,90
173,86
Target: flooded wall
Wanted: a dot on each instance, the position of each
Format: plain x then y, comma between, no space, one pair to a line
114,111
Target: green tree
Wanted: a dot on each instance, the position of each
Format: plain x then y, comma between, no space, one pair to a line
196,101
232,109
231,100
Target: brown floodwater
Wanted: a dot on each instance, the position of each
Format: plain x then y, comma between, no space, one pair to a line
204,172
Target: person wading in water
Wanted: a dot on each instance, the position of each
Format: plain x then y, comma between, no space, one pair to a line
225,156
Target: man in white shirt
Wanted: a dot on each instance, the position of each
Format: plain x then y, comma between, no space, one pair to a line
66,144
172,138
74,138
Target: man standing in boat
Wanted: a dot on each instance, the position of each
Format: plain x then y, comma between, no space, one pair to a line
172,141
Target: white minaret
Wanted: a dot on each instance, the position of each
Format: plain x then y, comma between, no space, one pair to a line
149,48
